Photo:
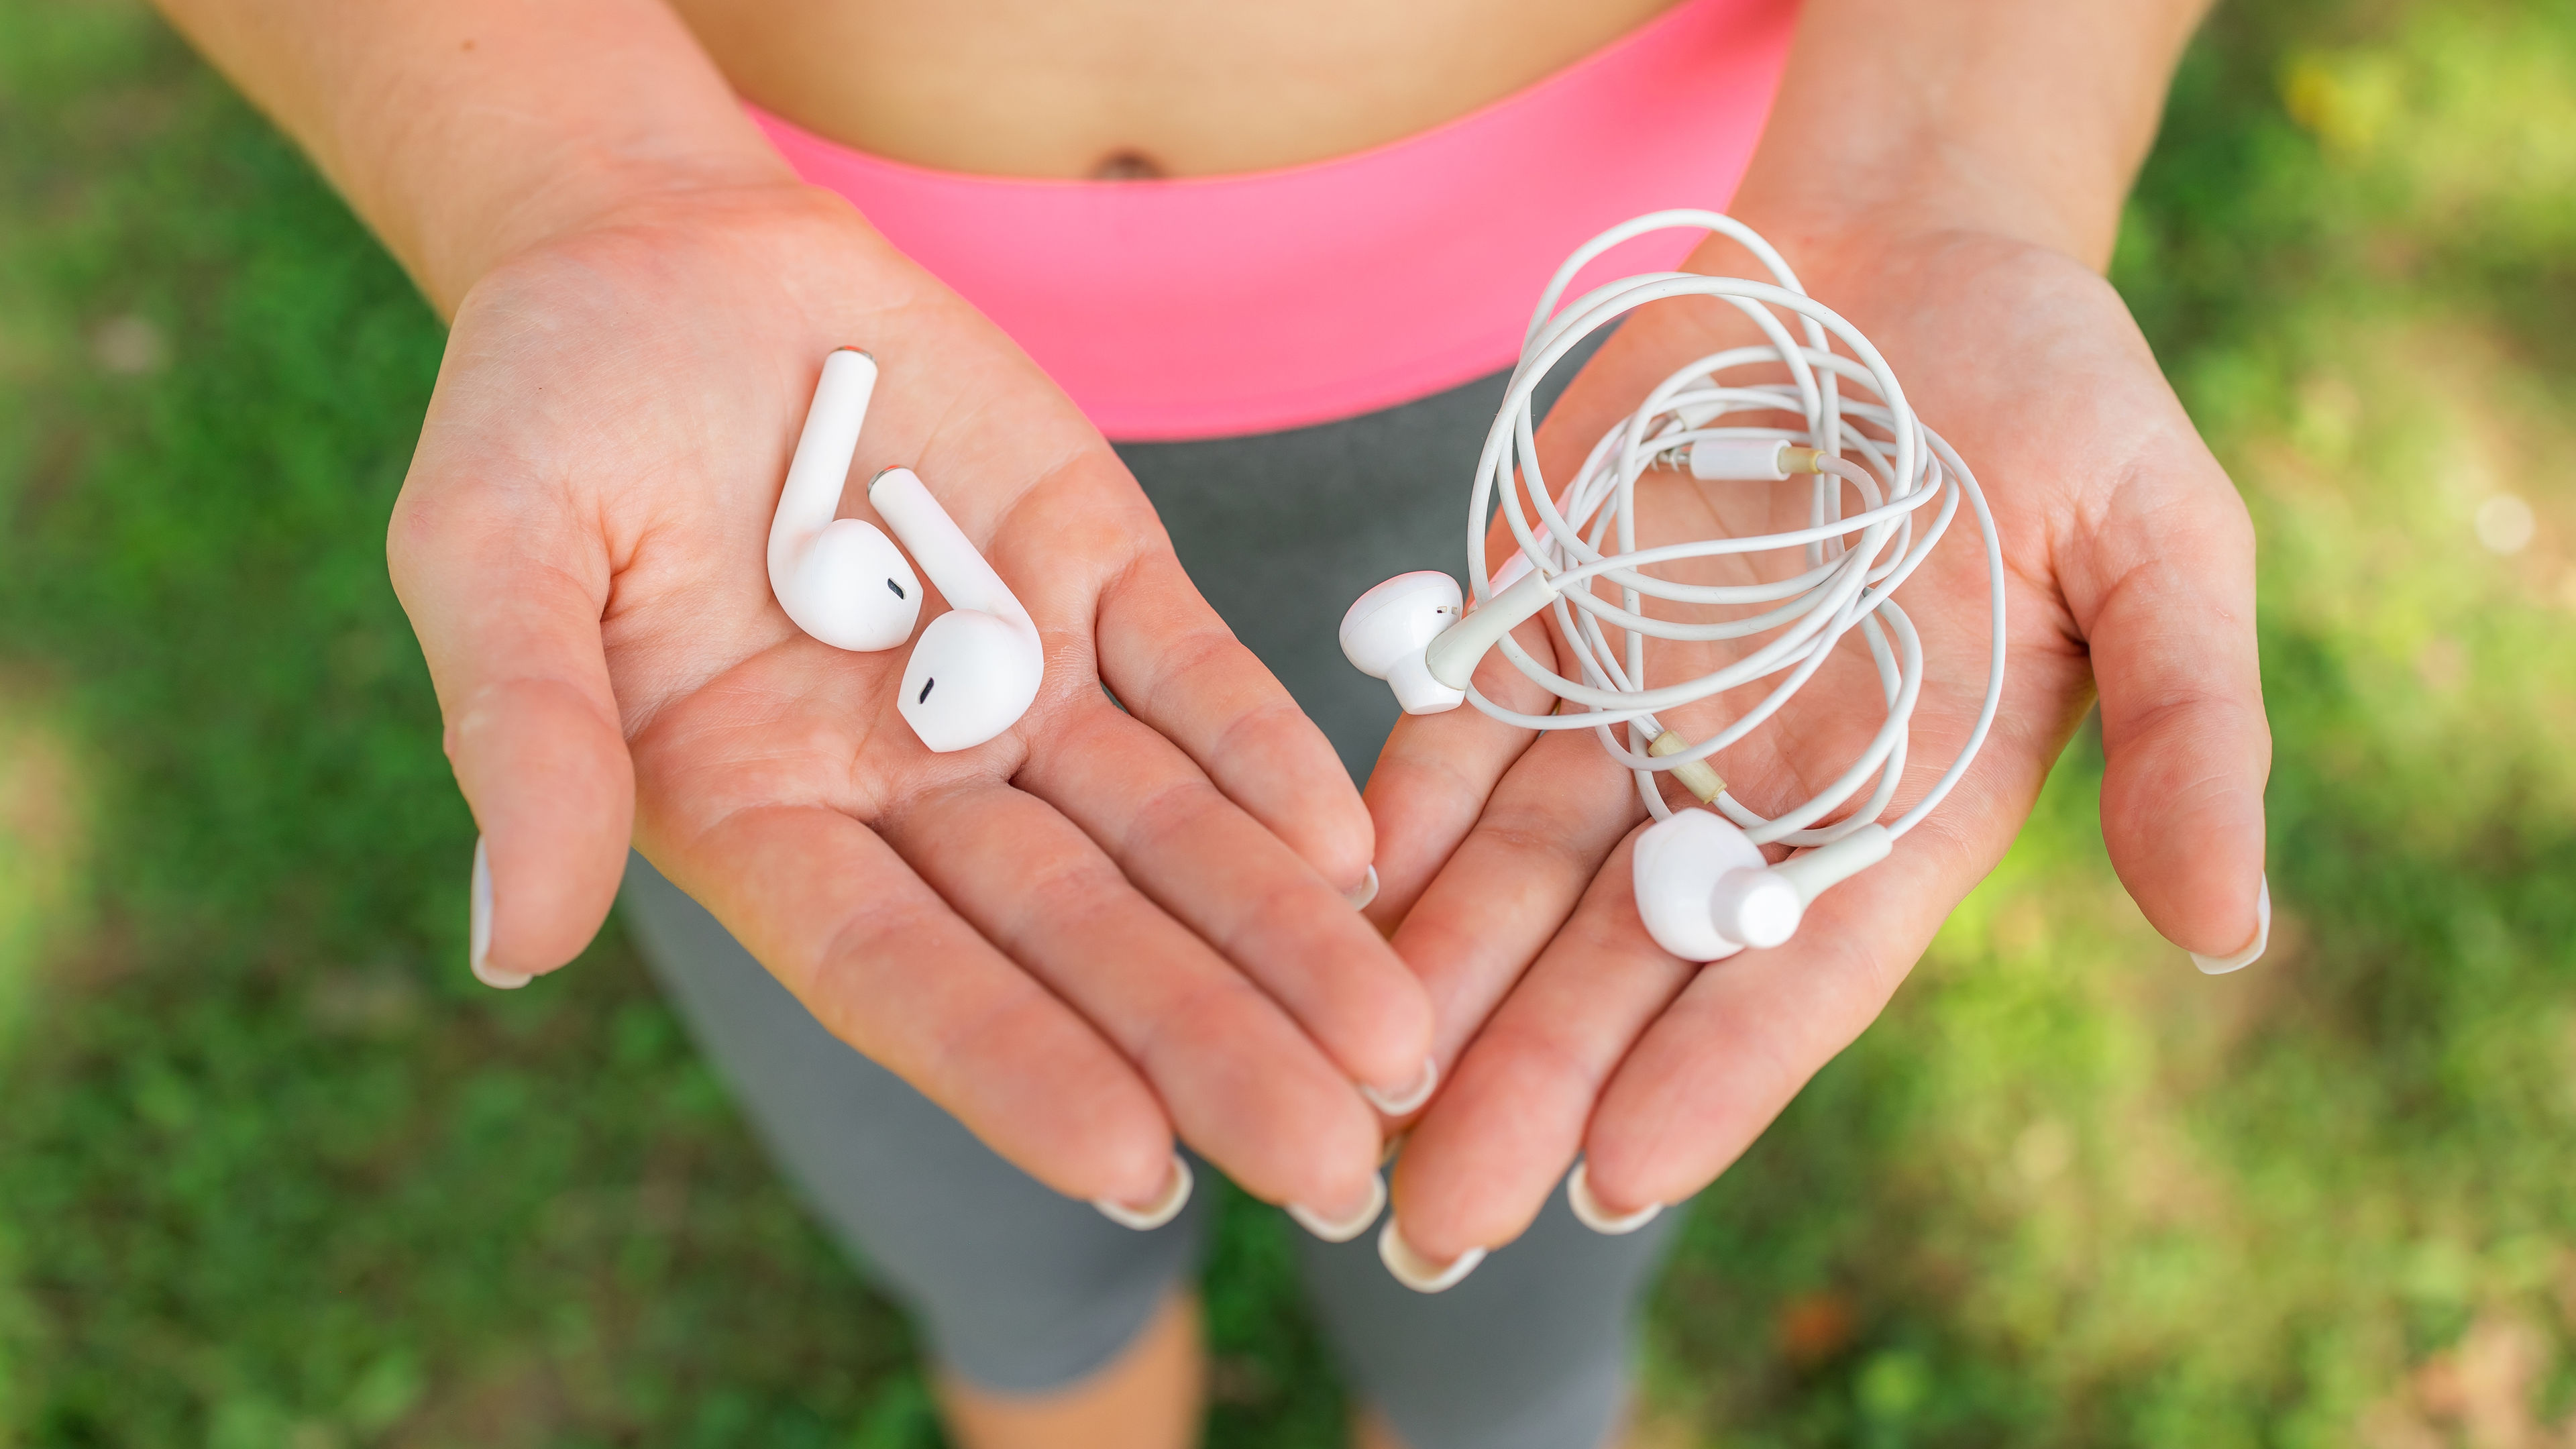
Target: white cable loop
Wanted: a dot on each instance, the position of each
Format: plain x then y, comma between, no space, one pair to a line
1583,538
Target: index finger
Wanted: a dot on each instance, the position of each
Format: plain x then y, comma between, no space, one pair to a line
1433,779
1174,664
1247,895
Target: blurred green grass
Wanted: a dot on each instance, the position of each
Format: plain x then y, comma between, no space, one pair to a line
273,1173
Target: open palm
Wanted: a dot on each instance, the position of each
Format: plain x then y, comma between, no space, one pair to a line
1506,857
1122,919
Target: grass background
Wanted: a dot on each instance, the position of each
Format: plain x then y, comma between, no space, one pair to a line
272,1172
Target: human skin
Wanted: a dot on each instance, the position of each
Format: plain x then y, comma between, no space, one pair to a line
1108,927
1167,87
1949,178
1034,933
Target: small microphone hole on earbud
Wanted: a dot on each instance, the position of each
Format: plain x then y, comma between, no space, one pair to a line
898,588
924,696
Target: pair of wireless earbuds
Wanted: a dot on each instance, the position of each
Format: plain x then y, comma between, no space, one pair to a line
978,666
1704,888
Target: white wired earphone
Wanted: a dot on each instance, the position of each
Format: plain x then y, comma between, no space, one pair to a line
1703,886
978,666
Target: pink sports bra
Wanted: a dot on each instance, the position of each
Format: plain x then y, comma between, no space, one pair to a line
1224,305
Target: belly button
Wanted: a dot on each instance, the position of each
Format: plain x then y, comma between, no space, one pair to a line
1126,166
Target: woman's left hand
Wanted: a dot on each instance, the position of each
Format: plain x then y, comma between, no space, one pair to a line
1505,858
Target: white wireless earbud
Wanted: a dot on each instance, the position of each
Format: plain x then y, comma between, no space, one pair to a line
1705,892
978,666
841,579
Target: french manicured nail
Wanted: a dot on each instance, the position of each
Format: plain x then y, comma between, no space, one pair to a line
1166,1205
1589,1211
1396,1104
1367,891
478,927
1417,1272
2253,952
1344,1229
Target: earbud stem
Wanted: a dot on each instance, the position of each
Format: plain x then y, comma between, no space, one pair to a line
942,548
1453,655
821,464
1826,866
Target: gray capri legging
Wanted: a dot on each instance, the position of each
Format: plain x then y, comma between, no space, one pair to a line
1022,1291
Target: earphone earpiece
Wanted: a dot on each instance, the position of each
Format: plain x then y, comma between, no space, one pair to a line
971,677
977,667
1827,416
1389,628
840,579
1705,892
851,588
1413,632
1678,866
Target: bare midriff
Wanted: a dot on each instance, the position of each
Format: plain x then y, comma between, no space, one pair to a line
1107,88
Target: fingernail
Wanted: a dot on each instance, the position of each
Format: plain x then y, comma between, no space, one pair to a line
1396,1104
2253,952
1166,1205
478,926
1589,1211
1417,1272
1367,892
1344,1230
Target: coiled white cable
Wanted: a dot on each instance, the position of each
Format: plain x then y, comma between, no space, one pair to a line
1871,445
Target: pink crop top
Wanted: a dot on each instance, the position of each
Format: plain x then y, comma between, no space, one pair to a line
1224,305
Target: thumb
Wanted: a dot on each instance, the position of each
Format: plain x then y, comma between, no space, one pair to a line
505,590
2166,599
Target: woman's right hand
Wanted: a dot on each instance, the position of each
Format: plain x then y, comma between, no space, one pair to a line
1107,926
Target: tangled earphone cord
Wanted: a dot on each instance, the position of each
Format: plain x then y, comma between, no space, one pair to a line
1854,563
